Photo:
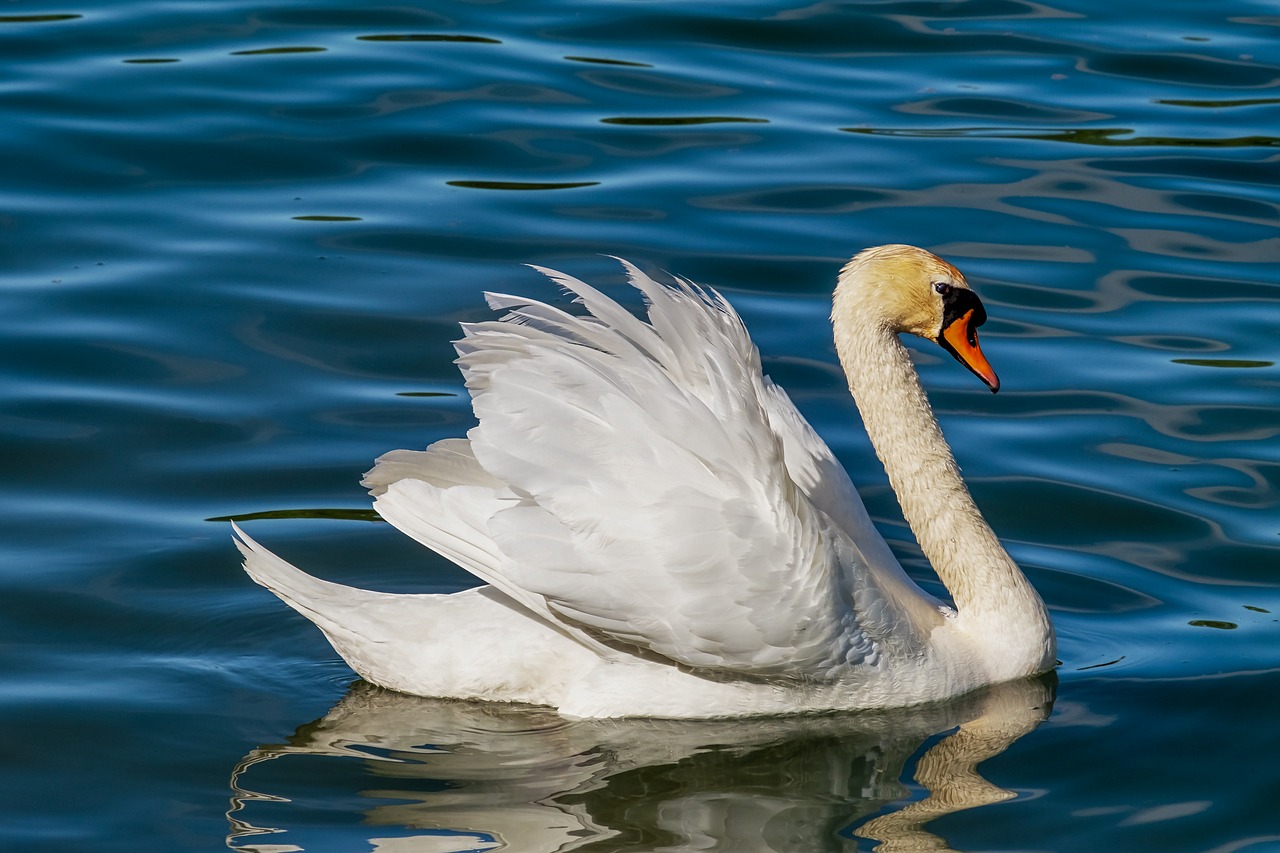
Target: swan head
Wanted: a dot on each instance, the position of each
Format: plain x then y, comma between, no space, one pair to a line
906,289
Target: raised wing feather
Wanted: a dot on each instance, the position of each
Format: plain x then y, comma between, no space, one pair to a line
646,496
890,605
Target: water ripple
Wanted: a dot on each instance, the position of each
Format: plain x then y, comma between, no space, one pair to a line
240,236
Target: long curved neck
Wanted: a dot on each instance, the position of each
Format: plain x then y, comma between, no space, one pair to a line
992,596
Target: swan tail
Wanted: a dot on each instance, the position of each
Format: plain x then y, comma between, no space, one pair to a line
391,640
329,605
414,643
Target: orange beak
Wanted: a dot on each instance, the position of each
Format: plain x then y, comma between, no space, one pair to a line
961,339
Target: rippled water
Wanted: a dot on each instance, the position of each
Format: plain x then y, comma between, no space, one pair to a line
238,238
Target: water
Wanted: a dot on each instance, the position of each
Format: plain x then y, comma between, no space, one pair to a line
238,237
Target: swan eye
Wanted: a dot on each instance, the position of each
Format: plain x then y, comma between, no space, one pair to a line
942,287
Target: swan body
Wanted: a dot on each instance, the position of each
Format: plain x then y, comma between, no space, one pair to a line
662,534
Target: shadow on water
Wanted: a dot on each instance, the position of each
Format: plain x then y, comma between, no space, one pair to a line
405,774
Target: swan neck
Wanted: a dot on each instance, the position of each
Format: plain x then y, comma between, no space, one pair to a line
990,592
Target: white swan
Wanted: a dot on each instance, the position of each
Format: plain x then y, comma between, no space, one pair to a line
663,534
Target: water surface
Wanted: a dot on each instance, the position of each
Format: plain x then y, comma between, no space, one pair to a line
238,238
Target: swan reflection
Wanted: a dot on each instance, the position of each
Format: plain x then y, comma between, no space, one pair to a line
404,774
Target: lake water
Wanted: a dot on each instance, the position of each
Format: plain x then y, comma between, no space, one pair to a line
238,238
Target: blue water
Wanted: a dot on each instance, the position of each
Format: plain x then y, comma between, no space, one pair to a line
238,237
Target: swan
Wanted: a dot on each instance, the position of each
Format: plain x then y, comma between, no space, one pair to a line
662,534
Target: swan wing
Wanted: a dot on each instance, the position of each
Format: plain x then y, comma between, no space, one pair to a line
632,484
909,613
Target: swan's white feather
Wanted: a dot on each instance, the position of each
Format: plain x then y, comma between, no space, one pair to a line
446,463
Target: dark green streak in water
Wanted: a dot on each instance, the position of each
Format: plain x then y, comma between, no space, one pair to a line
434,37
521,185
673,121
36,19
277,514
1101,665
1219,105
1078,136
598,61
269,51
1223,362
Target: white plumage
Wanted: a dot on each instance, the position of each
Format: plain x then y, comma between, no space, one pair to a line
662,533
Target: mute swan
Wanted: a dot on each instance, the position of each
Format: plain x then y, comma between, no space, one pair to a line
661,532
